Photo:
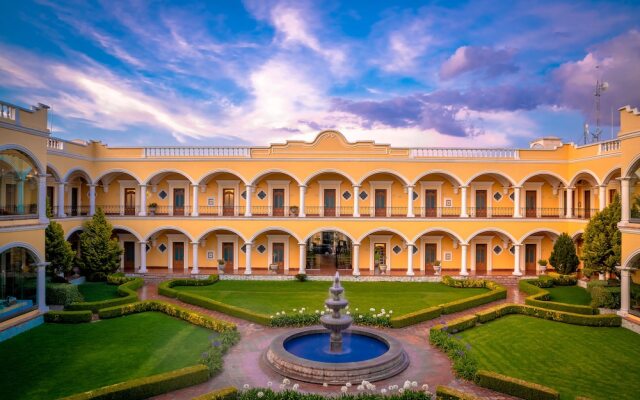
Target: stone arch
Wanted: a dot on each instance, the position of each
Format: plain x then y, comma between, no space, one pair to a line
84,174
542,173
221,228
401,177
381,229
102,175
436,229
581,174
327,229
262,174
219,171
489,230
499,175
160,172
454,179
32,157
329,171
34,252
272,228
167,228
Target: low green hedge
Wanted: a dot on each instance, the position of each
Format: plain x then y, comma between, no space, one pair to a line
604,295
459,324
118,278
415,317
515,387
62,294
143,388
228,393
563,280
169,309
453,307
127,292
165,288
540,298
68,317
553,315
449,393
214,305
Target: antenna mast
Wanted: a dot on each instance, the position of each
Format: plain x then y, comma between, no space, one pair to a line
601,87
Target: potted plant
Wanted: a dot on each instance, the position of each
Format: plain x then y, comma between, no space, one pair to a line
543,265
221,263
273,268
152,208
437,267
383,268
294,210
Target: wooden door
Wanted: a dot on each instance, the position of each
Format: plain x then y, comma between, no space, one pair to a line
278,202
381,202
129,256
228,202
481,203
74,201
227,254
530,252
129,201
329,202
277,254
379,254
530,203
178,257
430,203
429,256
178,201
481,259
587,203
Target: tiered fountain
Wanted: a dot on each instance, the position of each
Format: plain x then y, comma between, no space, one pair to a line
336,354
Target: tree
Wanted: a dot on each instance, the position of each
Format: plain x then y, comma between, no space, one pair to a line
603,240
57,250
99,253
563,256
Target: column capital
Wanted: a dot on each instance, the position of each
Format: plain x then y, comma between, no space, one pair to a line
464,244
356,186
516,187
196,243
301,186
625,269
410,244
41,264
302,244
195,184
248,243
463,186
143,185
143,242
624,178
355,244
571,188
409,186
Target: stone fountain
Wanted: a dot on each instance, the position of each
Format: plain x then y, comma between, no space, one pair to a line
335,353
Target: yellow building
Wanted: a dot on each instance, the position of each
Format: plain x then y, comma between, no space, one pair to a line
314,207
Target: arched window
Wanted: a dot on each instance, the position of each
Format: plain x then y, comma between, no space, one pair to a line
18,287
18,184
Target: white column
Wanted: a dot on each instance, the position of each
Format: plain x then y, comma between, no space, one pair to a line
194,200
61,213
303,258
516,260
463,207
247,258
463,259
194,251
301,213
356,204
247,204
42,199
410,201
570,202
602,196
356,259
410,259
92,199
42,287
143,201
143,258
625,287
516,202
20,194
624,199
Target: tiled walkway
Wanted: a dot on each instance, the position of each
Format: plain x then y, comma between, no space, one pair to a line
244,364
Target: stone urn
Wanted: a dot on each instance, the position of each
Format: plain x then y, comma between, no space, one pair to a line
383,269
437,267
221,264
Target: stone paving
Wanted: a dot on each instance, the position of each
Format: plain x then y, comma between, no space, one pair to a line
244,363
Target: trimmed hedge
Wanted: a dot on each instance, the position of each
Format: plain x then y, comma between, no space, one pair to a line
415,317
228,393
165,288
563,280
67,317
449,393
553,315
62,293
515,387
459,324
169,309
143,388
214,305
540,298
127,291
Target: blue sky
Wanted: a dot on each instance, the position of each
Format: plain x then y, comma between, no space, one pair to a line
478,74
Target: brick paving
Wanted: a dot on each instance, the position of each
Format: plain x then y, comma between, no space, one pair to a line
244,363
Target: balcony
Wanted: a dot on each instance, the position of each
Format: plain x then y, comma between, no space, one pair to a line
25,211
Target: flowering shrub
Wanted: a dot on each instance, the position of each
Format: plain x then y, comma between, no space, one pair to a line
464,364
304,317
219,344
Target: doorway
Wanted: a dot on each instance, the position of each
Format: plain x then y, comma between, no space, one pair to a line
228,202
430,203
74,201
530,203
379,255
587,203
277,254
429,256
481,203
129,256
178,201
481,259
227,254
381,202
278,202
178,257
129,201
329,202
530,251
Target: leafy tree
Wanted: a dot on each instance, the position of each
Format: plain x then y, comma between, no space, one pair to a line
99,253
563,256
635,207
57,250
603,240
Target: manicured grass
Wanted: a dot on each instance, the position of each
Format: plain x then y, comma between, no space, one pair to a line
570,295
269,297
98,291
600,363
55,360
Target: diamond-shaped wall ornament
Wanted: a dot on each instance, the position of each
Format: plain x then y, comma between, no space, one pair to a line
261,249
163,195
262,195
497,196
415,249
244,194
512,250
497,249
244,248
415,195
346,195
512,196
397,249
363,195
162,248
148,248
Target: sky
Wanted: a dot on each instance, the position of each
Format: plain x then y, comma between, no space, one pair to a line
408,73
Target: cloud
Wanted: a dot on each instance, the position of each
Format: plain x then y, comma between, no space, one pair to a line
406,45
489,61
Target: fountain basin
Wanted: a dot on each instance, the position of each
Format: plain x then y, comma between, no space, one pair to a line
305,355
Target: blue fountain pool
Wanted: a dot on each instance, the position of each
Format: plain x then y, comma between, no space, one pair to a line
355,347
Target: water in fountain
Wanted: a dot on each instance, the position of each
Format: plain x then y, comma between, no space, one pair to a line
336,322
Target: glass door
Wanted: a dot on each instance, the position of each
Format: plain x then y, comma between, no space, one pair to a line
381,202
178,201
228,201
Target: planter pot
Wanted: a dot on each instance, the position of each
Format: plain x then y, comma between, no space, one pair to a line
437,269
273,268
383,269
220,269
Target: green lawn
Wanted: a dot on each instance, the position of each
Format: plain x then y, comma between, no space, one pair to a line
97,291
269,297
55,360
570,295
600,363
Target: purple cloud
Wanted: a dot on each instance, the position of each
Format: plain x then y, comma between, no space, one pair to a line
491,62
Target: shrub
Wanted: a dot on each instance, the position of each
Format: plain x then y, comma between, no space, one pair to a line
448,393
603,240
67,317
228,393
464,364
563,280
118,278
143,388
62,293
563,256
301,277
57,250
302,317
218,347
165,288
290,394
459,324
605,296
127,291
464,304
211,304
415,317
99,253
515,387
540,298
559,316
